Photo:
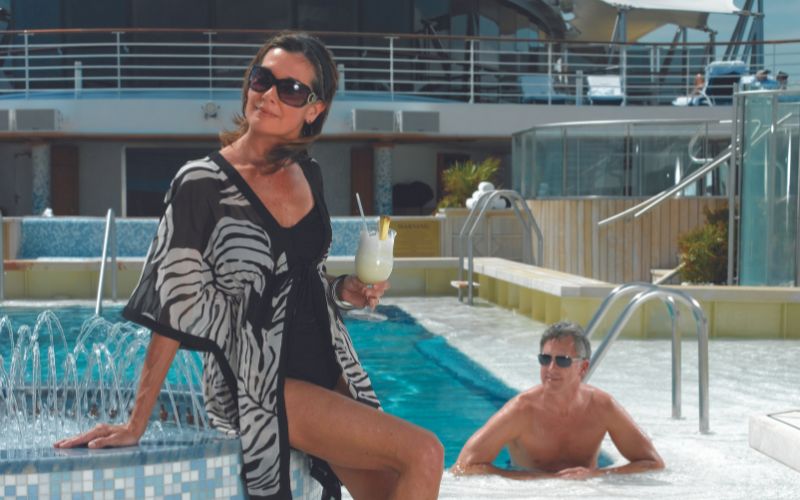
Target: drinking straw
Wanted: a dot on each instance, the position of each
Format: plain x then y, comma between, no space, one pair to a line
363,217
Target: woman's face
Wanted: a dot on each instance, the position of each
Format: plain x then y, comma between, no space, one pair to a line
266,114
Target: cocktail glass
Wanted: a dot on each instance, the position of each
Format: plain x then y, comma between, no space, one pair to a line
374,261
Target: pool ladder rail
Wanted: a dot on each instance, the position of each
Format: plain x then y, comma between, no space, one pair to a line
476,215
646,292
109,242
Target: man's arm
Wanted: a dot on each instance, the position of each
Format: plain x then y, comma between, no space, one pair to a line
631,442
481,449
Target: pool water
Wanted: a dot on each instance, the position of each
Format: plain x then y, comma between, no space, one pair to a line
417,375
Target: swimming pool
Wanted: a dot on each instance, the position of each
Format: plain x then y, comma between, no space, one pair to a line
747,377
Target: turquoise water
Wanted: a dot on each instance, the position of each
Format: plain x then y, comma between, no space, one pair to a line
418,376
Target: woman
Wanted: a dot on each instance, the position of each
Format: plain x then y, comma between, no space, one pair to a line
237,270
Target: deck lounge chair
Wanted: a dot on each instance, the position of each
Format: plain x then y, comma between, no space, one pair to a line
538,88
605,89
720,78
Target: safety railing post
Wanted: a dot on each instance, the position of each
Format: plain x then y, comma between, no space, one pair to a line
391,66
623,73
472,71
549,73
209,43
118,48
78,77
2,260
26,51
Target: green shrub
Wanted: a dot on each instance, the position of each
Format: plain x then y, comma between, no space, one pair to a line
703,251
462,179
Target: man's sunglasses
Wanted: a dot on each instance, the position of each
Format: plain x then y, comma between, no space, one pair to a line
290,91
561,361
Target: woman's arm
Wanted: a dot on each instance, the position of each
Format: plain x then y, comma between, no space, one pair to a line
160,354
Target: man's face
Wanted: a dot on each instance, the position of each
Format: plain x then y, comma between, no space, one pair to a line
556,377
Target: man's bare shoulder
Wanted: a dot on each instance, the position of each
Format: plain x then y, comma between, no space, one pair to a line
601,402
526,401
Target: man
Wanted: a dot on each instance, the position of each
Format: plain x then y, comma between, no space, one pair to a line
555,429
783,79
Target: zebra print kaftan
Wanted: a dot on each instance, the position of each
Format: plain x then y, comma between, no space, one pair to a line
217,279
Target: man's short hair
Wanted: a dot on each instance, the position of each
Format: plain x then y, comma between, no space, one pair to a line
567,329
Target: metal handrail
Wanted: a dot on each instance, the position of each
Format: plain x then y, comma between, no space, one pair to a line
451,67
2,260
109,238
670,274
641,208
670,298
529,226
652,202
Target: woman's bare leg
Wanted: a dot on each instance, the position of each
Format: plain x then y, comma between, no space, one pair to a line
365,447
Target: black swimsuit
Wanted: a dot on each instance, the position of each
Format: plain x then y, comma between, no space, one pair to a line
310,356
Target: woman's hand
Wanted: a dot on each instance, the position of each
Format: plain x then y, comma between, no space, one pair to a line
103,436
359,293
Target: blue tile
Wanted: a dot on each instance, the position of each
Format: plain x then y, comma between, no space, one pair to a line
11,491
119,494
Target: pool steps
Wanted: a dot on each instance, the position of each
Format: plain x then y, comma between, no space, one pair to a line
777,435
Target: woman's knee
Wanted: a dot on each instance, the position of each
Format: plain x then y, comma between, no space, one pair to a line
428,452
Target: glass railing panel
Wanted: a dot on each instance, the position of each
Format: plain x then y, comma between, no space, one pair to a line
769,191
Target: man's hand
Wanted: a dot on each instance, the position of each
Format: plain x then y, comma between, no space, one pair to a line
578,473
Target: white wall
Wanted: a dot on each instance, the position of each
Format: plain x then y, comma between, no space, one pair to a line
16,179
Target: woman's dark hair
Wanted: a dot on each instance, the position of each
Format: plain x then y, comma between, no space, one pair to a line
326,80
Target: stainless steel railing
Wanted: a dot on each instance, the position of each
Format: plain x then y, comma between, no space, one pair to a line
722,158
476,214
470,69
109,242
646,292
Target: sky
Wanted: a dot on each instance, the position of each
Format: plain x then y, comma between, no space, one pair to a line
781,19
780,23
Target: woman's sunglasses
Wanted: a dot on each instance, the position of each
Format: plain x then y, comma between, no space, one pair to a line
561,361
290,91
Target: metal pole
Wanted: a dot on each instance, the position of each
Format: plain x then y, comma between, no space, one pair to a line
624,72
471,72
2,260
549,73
209,35
733,166
27,64
391,66
676,358
113,256
98,307
119,61
78,77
